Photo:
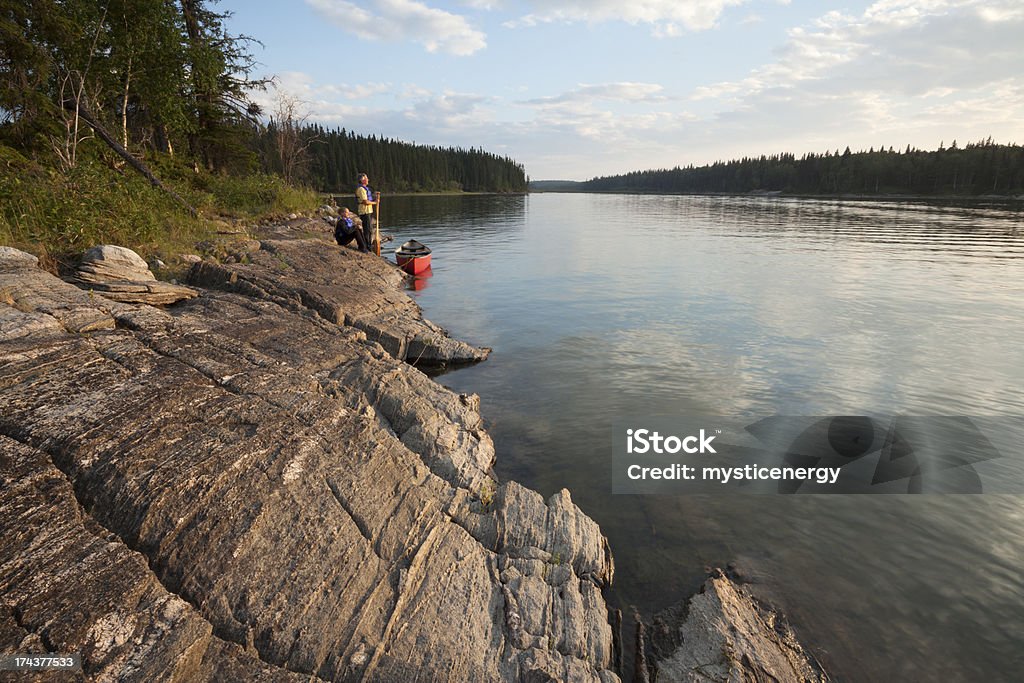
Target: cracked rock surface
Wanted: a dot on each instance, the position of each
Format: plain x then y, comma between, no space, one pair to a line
255,485
294,267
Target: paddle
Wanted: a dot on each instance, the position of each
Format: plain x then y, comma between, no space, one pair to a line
376,226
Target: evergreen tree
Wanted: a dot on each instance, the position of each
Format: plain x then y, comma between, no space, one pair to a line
146,69
338,156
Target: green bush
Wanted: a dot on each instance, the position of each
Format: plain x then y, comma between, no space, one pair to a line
258,194
237,196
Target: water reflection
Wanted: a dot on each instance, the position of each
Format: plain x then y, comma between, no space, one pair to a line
601,305
421,281
478,214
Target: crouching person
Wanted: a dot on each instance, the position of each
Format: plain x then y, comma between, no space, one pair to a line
348,228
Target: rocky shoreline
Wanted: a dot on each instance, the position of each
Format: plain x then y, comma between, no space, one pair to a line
256,483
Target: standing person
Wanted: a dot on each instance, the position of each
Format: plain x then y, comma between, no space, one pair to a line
366,200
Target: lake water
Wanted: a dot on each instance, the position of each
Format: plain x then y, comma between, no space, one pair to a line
600,306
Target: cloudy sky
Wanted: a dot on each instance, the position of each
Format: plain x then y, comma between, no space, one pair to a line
576,88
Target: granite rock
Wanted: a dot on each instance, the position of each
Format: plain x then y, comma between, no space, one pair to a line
298,269
109,262
69,585
243,488
119,274
724,633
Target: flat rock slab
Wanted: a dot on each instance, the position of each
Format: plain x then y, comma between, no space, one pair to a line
35,304
69,585
154,292
243,489
296,268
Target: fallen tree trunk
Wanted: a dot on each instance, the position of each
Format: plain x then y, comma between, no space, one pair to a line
87,116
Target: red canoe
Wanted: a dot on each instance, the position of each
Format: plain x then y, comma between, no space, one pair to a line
413,257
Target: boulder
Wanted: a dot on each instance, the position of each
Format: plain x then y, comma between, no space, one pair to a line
35,304
107,263
120,274
11,257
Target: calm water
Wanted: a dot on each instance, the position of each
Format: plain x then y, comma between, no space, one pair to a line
598,306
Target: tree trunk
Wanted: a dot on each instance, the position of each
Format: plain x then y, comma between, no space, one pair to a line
124,105
163,139
204,98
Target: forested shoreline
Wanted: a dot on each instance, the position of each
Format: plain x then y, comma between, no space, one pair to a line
333,159
136,122
979,168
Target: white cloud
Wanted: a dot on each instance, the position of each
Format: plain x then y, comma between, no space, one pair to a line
616,92
600,121
901,63
407,111
997,14
437,30
899,72
327,104
411,91
448,110
1003,101
905,47
302,85
666,16
668,30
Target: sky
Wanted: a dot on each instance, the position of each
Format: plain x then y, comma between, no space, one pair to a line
574,89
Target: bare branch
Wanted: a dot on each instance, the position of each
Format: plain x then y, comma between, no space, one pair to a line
289,118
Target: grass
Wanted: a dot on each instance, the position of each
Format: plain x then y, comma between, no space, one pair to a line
486,494
56,215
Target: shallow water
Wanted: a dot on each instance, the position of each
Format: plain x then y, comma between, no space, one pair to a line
600,306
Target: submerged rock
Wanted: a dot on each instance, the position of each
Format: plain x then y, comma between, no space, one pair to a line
248,487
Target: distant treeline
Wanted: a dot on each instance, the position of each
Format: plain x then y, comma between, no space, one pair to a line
983,167
336,157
